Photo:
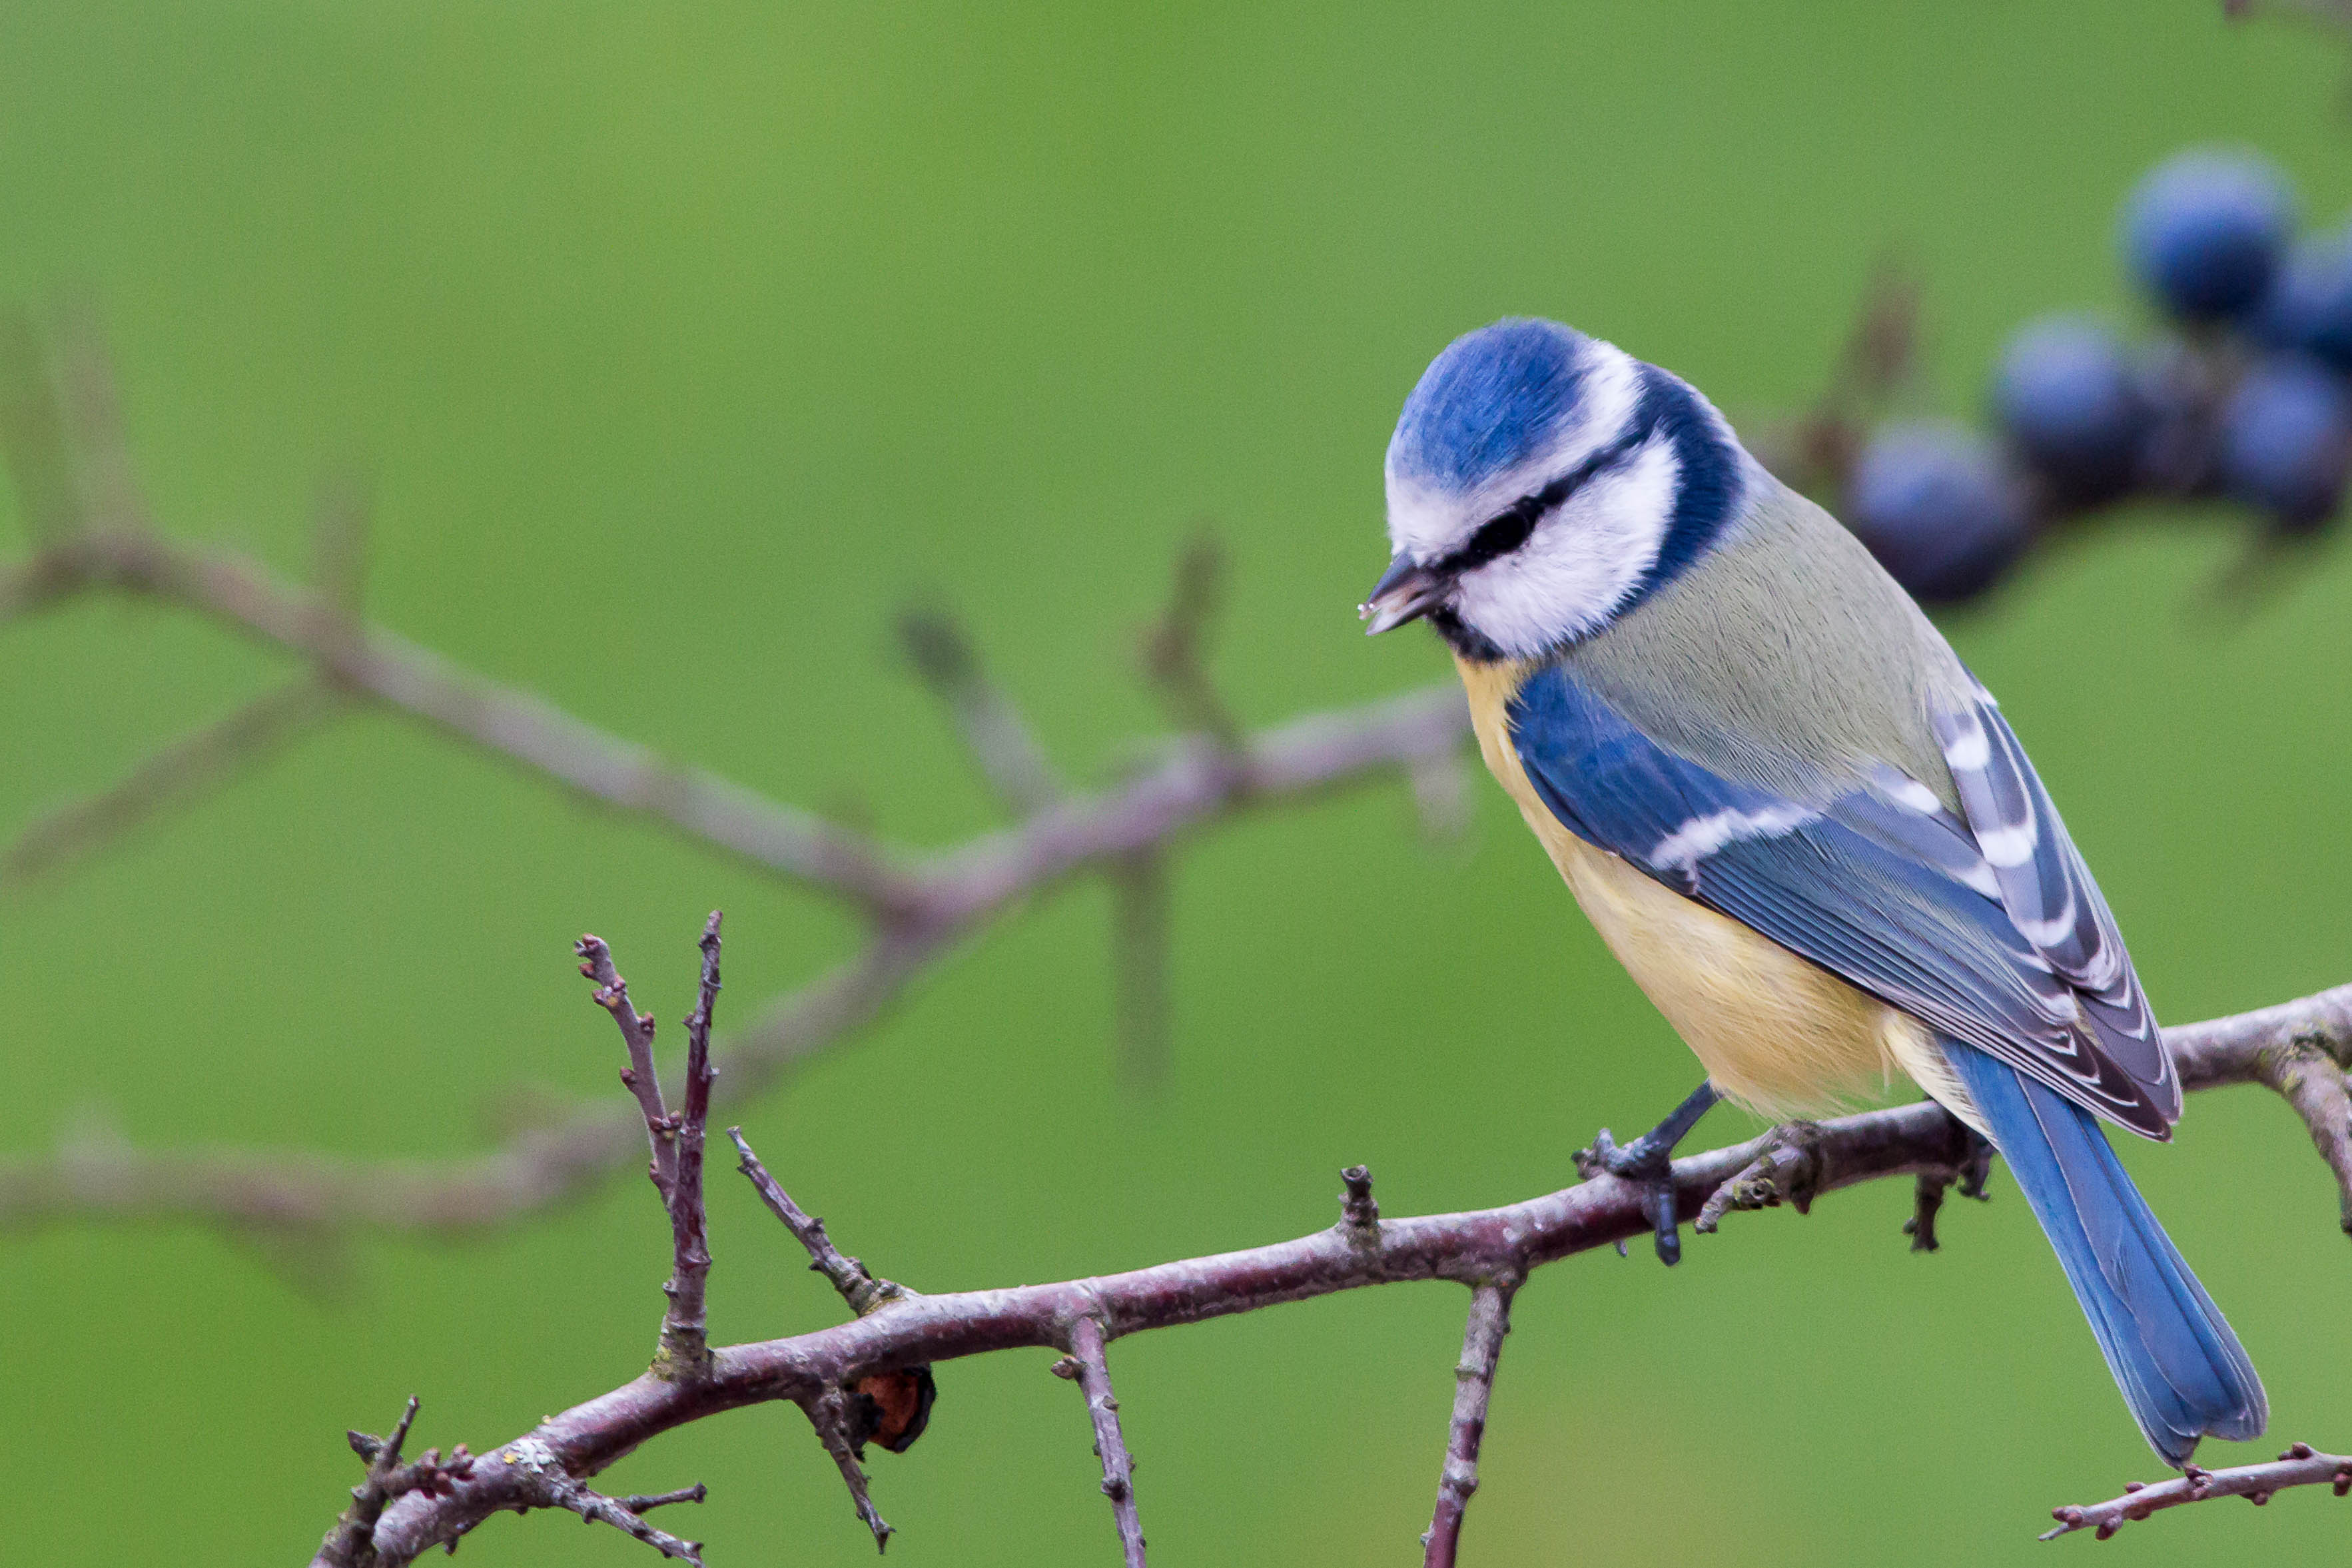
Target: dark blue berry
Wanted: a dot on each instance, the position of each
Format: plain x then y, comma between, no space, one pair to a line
1934,505
2070,399
2205,231
2309,307
2285,441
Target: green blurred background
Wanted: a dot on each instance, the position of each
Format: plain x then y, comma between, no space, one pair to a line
683,346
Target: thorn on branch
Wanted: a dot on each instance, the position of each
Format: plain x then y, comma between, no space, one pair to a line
1090,1369
1002,743
1474,1387
1358,1211
641,1502
861,1290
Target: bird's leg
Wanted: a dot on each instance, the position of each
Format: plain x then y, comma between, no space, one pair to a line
1649,1163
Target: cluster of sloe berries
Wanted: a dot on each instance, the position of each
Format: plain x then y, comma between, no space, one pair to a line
2247,394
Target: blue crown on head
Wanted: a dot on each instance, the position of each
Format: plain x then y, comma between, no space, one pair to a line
1494,399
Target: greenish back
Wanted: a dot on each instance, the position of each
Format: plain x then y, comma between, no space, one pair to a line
1786,656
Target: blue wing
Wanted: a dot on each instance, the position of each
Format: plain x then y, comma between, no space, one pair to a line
2049,892
1879,885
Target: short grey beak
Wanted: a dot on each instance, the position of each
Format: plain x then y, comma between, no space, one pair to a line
1406,592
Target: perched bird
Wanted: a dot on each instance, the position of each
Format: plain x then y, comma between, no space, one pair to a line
1795,817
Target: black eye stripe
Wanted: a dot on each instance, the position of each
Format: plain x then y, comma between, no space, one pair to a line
1509,528
1503,534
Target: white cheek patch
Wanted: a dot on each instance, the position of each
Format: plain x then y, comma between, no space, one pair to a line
1582,562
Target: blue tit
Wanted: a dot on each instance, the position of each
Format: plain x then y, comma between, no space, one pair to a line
1794,816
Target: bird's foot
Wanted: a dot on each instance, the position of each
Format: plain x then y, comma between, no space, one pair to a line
1788,1170
1648,1161
1969,1171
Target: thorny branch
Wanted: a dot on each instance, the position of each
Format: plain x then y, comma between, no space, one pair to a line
2300,1466
1473,1386
91,534
1089,1368
869,1379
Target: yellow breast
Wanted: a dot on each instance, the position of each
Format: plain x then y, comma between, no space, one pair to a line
1776,1034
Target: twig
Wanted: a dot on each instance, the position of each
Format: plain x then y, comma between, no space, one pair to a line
1087,1365
1000,742
1139,935
2300,1466
895,1333
858,1288
828,1412
338,551
348,1544
1442,797
640,1077
595,1508
1175,648
527,1473
32,435
1816,450
674,1140
1474,1386
97,449
684,1348
2299,1049
186,771
2310,1077
1793,1166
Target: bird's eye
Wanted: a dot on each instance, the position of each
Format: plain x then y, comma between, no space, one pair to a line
1501,534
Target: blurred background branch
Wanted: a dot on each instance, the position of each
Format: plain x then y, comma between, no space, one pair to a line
917,905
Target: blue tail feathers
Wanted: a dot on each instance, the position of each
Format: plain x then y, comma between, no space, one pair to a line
2181,1370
